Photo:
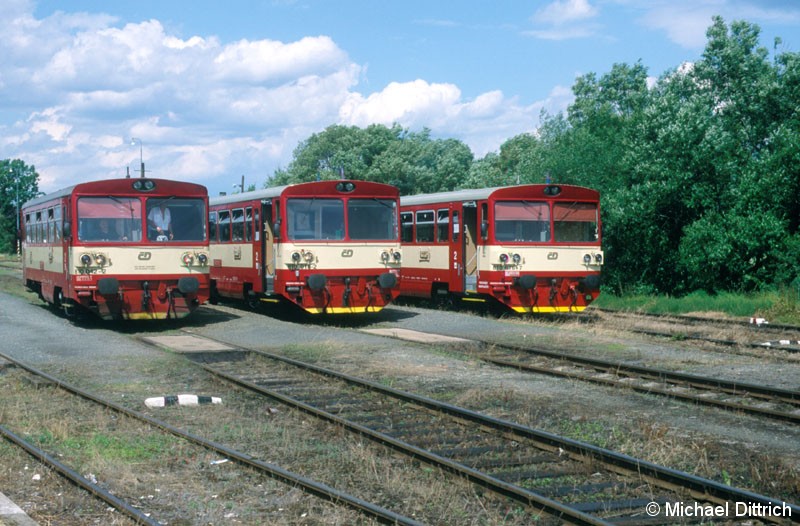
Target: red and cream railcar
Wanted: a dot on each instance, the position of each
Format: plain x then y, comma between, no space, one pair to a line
534,248
325,246
95,246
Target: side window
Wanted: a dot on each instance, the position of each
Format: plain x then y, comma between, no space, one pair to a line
407,227
456,225
28,228
51,226
484,221
38,233
237,220
57,224
212,226
248,224
224,226
425,226
442,225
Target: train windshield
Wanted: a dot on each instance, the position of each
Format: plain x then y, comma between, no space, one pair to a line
522,221
109,219
176,219
315,219
575,222
372,219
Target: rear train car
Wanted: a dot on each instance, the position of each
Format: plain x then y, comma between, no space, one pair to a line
96,246
533,248
326,246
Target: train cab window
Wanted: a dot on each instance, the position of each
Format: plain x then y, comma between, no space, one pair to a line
425,226
224,226
315,219
180,219
248,224
109,219
237,224
527,221
372,219
212,226
407,227
575,222
442,225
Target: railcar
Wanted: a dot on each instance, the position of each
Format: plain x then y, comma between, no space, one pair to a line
533,248
326,246
95,246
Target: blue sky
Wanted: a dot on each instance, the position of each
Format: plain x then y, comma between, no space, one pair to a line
217,90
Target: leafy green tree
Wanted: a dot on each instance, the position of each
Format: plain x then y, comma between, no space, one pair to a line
18,183
412,161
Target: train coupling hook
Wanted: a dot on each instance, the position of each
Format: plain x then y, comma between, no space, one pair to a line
145,294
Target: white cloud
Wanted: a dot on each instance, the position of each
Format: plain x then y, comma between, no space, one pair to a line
685,22
565,11
564,20
79,86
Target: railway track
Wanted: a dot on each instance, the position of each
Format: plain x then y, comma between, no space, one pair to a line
768,402
318,489
753,334
569,481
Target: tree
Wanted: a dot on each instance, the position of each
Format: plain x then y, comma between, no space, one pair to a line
18,183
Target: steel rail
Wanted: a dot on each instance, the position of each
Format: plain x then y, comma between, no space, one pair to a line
785,395
695,398
78,479
676,319
517,493
698,487
309,486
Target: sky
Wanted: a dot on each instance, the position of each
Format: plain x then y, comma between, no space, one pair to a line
209,91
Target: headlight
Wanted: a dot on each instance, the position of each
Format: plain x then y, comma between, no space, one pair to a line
309,257
516,258
188,259
86,260
385,256
203,259
397,256
598,258
296,257
100,259
503,258
587,259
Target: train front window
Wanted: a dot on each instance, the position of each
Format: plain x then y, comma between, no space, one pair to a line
575,222
522,221
315,219
109,219
176,219
372,219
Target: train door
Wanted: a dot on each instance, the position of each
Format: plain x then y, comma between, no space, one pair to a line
456,274
469,247
268,247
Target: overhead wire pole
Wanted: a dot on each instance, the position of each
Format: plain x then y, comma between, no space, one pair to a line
17,238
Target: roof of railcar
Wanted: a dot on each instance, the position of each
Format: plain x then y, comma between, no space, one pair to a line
275,191
475,194
106,185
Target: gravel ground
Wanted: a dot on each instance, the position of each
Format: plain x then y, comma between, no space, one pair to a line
682,436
